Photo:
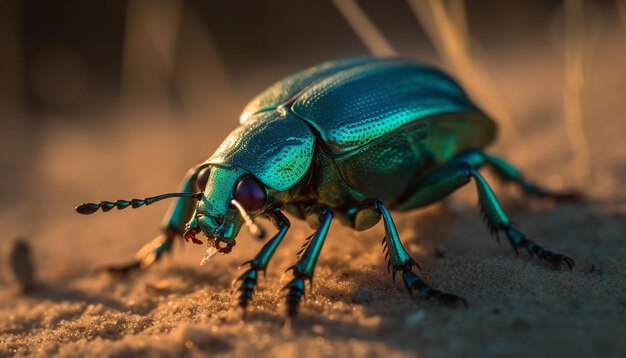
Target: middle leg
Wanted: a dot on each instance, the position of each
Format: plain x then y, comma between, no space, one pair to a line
319,217
399,259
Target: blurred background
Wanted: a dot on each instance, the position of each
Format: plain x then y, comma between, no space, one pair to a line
108,99
102,100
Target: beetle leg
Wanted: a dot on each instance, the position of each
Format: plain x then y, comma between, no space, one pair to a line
173,225
508,173
448,178
399,259
146,256
249,278
319,217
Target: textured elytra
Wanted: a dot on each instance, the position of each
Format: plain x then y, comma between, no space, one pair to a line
367,113
288,87
356,106
275,146
352,102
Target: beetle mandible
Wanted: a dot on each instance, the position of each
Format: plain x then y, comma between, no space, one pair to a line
349,139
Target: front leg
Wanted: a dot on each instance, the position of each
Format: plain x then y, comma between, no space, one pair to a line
249,278
318,217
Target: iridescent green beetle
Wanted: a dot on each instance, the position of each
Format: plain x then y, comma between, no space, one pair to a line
350,140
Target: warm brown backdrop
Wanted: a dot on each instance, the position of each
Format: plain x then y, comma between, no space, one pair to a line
116,99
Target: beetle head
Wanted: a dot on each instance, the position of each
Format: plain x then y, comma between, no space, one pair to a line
231,197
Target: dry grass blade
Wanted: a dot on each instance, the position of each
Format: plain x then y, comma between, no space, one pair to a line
447,29
458,15
201,70
621,8
150,40
364,28
574,86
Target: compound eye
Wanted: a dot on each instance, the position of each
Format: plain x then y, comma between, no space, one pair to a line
203,178
250,193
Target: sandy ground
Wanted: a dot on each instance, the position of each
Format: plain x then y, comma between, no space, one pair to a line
518,307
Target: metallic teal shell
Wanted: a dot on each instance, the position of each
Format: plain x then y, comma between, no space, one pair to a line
347,106
350,103
274,146
288,87
356,106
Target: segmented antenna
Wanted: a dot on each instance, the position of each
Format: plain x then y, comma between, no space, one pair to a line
254,229
90,208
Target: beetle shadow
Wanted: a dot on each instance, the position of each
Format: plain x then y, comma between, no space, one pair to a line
59,294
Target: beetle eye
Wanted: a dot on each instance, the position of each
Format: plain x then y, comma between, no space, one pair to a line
250,193
203,178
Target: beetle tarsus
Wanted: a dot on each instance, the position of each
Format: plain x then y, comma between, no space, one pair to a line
248,281
413,282
518,240
542,193
295,292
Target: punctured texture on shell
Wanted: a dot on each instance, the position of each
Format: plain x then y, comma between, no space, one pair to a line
356,106
290,86
383,124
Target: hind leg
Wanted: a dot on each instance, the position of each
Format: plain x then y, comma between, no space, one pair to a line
508,173
173,225
445,180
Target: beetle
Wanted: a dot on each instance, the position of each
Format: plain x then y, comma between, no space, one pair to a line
349,140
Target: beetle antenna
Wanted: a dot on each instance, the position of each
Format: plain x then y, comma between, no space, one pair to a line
90,208
254,229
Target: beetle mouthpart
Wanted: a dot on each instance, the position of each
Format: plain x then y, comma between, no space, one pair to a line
190,234
226,249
